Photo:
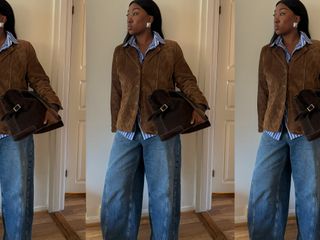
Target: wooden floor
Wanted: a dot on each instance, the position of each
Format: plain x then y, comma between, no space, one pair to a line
74,213
73,217
219,226
191,228
43,228
222,213
241,232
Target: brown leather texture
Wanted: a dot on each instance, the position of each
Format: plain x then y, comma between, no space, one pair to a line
133,83
20,69
173,112
280,82
308,107
24,112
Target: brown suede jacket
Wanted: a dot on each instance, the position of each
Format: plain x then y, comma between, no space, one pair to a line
132,83
20,69
280,81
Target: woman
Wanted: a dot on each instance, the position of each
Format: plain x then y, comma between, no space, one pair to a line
288,65
19,69
143,63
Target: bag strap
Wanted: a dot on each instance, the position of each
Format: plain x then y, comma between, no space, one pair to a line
304,113
161,110
12,111
308,106
193,105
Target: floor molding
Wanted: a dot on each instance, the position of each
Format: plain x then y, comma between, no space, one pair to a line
211,227
64,226
75,195
222,195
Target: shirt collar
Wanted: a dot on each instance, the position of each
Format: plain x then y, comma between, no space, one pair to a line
10,39
304,39
155,41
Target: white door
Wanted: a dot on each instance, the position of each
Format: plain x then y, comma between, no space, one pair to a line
76,107
223,163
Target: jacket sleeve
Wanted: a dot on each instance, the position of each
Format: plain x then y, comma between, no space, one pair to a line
186,81
38,79
263,93
116,93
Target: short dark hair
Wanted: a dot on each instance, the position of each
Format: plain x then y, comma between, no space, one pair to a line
6,10
153,10
297,7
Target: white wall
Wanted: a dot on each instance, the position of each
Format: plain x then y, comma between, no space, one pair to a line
254,28
106,28
34,23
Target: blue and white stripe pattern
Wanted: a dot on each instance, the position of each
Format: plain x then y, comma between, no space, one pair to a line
157,39
304,39
7,43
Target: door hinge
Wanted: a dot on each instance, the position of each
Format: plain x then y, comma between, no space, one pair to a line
220,10
66,173
213,173
72,9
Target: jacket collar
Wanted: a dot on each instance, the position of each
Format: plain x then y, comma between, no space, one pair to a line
7,51
132,53
279,54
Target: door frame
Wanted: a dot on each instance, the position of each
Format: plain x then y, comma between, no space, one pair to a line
208,72
61,60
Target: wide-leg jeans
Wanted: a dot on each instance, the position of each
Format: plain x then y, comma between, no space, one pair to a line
276,162
130,160
16,179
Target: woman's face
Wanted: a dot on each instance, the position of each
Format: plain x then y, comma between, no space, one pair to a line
137,19
284,19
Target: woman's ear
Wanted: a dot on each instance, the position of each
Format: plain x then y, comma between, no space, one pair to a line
3,19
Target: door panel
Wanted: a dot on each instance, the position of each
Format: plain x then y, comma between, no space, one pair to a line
76,149
223,181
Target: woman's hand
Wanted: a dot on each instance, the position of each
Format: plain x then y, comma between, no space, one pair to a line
50,113
196,118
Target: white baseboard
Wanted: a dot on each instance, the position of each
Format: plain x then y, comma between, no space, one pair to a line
40,208
240,219
96,219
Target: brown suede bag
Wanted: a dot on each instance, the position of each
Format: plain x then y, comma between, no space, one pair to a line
24,112
308,106
172,113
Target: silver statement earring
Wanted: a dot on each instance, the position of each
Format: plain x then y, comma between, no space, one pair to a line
148,25
1,24
295,24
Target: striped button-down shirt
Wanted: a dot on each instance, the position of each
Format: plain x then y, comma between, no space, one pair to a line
157,39
279,42
7,43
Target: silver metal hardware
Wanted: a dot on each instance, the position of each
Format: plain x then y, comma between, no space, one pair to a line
164,107
310,108
16,108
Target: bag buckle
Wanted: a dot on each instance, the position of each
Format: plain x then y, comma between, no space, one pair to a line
16,108
311,107
163,107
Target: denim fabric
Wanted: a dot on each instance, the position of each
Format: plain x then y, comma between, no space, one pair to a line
16,179
276,162
160,162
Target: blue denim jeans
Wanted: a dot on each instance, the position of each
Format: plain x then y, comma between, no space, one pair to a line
16,179
276,162
160,162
